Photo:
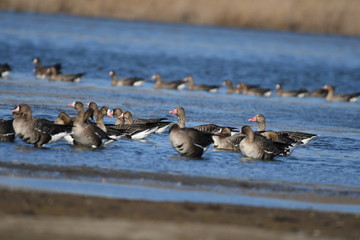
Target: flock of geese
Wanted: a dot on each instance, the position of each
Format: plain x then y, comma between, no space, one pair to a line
53,72
87,129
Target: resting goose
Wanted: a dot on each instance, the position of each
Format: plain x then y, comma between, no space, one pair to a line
284,136
188,142
175,85
54,75
253,90
320,93
42,71
162,126
132,131
258,147
129,81
64,119
36,131
331,96
290,93
200,87
224,141
230,87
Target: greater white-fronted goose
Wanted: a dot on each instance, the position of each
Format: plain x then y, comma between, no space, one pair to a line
253,90
64,119
320,93
42,71
56,76
200,87
116,112
87,134
209,128
290,93
130,120
230,88
132,131
224,141
331,96
36,131
175,85
129,81
160,122
5,70
255,146
188,142
7,133
283,136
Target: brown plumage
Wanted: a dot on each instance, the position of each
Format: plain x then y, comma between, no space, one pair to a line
258,147
200,87
36,131
56,76
175,85
187,142
331,96
289,137
129,81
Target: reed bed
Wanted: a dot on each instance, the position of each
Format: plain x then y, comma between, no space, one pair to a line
320,16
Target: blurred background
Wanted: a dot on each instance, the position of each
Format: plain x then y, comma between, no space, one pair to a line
320,16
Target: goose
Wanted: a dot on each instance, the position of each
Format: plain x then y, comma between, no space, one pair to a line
129,81
188,142
175,85
42,71
331,96
87,134
36,131
284,136
200,87
255,146
54,75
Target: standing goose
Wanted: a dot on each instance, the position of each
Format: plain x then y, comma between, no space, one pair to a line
224,141
175,85
7,133
200,87
284,136
230,87
42,71
258,147
188,142
331,96
36,131
56,76
5,70
253,90
290,93
209,128
129,81
85,133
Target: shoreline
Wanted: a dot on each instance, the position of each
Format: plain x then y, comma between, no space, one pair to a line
322,16
20,207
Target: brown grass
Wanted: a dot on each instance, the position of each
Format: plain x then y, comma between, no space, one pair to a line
323,16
